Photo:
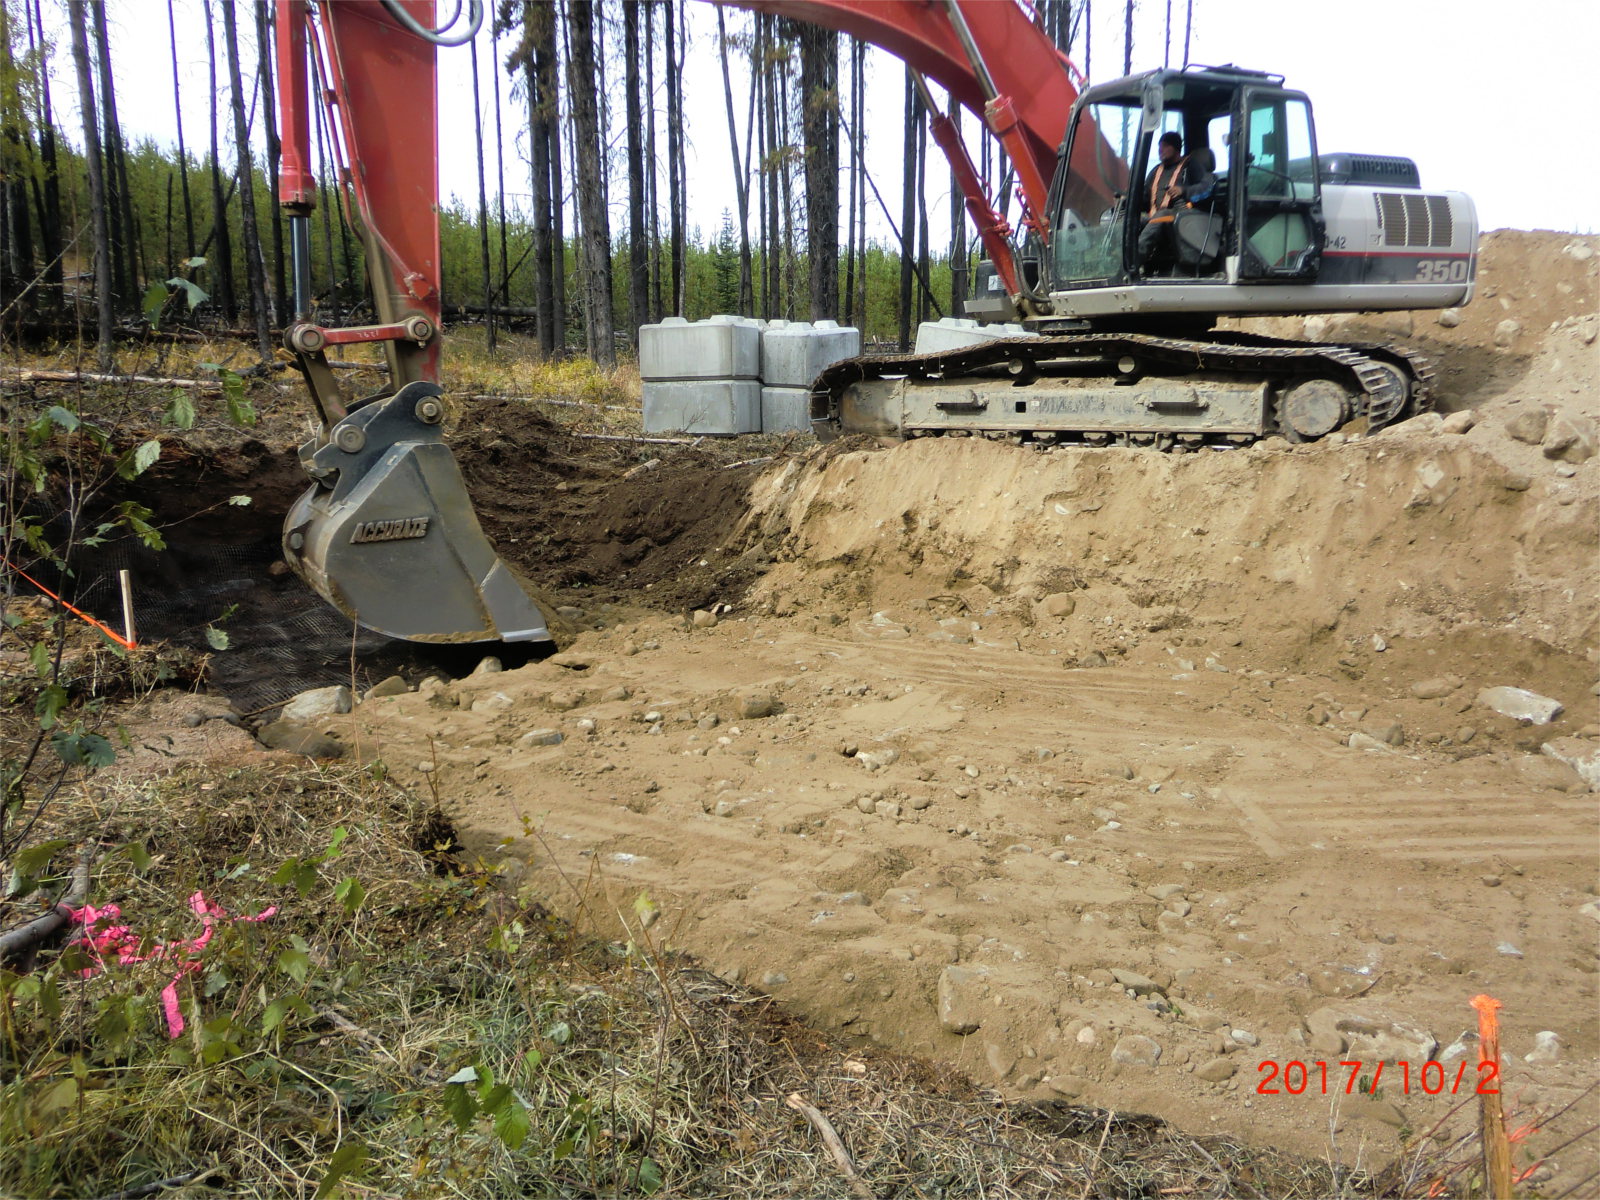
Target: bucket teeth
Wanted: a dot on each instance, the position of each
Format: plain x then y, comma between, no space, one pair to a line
388,535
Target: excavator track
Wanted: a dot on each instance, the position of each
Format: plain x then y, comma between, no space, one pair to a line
1125,388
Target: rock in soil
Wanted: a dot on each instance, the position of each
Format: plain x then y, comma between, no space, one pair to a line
317,703
294,738
1521,704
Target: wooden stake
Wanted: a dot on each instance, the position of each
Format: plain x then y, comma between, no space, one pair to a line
126,581
1491,1114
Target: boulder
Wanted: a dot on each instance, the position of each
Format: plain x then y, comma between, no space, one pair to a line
1530,426
1549,773
1570,439
1057,604
1436,688
1372,1038
1218,1070
1136,1050
757,703
293,738
960,1000
1139,985
1582,755
392,686
1521,704
317,703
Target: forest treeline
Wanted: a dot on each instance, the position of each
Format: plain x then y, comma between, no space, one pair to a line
115,235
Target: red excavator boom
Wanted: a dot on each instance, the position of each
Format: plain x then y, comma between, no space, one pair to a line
992,57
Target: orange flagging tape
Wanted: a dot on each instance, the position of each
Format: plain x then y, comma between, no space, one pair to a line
1488,1028
77,612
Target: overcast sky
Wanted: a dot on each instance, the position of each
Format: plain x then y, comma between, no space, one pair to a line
1492,99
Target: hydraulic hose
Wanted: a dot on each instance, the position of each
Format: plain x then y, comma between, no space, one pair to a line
441,35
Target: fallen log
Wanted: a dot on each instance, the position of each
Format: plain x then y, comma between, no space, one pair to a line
95,377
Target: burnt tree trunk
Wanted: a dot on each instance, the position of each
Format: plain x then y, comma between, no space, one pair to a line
925,296
675,179
741,178
652,163
76,19
483,200
219,199
819,88
16,228
49,204
504,288
249,231
758,101
854,119
638,249
183,151
958,233
540,69
908,208
595,240
269,106
124,239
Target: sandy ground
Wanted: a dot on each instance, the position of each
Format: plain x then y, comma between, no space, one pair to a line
1111,775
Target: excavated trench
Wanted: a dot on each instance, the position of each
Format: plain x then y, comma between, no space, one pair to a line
566,513
225,575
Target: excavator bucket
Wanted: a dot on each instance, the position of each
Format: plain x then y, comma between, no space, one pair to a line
388,536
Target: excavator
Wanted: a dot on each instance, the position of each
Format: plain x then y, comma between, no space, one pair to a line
1119,344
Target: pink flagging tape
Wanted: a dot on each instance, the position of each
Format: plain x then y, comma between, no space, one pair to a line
121,941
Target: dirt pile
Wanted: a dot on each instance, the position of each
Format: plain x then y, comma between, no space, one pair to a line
1482,528
573,513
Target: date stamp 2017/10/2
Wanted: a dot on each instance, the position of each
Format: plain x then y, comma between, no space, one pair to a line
1296,1078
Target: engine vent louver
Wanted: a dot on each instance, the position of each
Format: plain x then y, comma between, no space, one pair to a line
1412,219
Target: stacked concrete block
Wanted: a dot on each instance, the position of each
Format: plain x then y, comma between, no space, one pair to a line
793,354
701,377
957,333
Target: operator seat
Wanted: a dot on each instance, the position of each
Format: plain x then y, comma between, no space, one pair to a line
1198,228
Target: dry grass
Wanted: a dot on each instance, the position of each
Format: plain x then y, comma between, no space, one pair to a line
515,369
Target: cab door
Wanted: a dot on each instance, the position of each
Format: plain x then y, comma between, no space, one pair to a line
1277,195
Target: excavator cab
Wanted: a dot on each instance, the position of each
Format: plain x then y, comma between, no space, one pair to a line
1259,221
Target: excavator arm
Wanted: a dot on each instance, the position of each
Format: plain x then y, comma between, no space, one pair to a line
386,533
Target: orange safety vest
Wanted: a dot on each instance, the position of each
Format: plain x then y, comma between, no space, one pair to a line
1158,185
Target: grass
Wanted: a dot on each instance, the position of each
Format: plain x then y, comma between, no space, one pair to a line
515,369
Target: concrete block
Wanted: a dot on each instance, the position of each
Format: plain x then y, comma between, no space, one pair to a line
718,407
718,348
793,353
957,333
785,409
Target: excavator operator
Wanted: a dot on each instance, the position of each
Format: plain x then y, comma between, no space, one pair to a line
1174,182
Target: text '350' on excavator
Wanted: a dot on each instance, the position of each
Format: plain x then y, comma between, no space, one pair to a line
1118,290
